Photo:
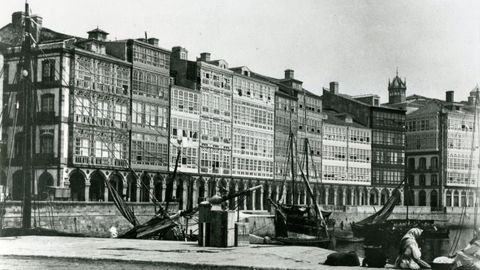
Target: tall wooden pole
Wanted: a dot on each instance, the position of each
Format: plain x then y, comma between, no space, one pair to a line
27,75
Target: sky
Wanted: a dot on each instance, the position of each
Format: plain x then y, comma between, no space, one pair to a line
360,44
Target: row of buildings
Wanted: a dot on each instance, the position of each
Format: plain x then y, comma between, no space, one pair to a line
129,112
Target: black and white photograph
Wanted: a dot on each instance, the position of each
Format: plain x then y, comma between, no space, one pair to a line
228,134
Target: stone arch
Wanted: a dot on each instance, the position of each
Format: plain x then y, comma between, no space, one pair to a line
463,198
434,198
77,185
321,195
158,187
116,182
266,189
410,197
241,200
456,198
97,186
179,192
331,196
348,194
170,182
250,197
422,198
373,197
273,192
384,196
301,192
132,187
222,186
190,191
448,200
471,199
212,187
231,190
258,198
397,193
289,194
145,187
339,196
201,190
44,181
17,185
363,192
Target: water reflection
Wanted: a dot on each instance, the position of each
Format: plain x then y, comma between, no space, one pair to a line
431,248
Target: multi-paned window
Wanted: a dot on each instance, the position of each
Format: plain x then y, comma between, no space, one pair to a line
46,141
150,84
82,106
149,149
121,112
185,101
48,70
47,103
148,56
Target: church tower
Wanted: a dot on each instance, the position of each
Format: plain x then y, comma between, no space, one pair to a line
397,90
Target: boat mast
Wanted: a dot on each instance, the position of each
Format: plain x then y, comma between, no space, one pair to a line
305,147
475,229
408,196
27,128
292,160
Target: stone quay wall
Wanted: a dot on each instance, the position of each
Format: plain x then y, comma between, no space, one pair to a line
88,218
95,218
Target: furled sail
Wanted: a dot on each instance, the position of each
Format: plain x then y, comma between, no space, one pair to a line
387,209
121,205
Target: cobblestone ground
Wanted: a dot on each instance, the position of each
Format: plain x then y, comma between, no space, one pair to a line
41,252
15,262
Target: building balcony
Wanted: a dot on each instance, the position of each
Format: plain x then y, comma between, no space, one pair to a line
44,159
423,169
46,118
100,161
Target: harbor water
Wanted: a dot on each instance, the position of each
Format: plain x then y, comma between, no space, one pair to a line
431,248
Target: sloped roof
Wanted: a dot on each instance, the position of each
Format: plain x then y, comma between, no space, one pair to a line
13,36
397,83
281,85
98,30
333,118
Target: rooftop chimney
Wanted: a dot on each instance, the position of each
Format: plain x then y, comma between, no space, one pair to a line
334,87
205,56
449,96
289,74
179,53
97,34
37,26
17,19
153,41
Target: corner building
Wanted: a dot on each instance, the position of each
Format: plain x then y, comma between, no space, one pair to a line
388,138
149,144
346,161
253,127
440,160
86,124
299,111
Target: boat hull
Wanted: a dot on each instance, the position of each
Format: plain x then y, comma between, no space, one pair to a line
294,225
321,243
393,230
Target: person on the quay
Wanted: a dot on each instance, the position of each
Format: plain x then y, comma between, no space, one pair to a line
409,256
469,257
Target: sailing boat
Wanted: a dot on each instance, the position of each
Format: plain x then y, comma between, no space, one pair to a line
295,224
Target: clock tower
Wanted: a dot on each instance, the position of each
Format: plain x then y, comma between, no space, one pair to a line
397,90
